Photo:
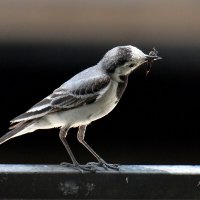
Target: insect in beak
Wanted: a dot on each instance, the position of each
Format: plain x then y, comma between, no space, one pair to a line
151,58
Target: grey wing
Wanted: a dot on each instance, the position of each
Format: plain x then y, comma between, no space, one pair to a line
82,93
37,111
67,98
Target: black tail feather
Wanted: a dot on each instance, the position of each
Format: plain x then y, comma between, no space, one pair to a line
14,131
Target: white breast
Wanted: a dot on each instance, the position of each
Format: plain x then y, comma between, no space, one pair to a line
87,113
106,103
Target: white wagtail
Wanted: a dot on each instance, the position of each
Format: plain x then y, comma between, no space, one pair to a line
86,97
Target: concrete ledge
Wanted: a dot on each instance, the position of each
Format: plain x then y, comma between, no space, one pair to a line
131,182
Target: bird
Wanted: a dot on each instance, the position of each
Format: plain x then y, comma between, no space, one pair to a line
86,97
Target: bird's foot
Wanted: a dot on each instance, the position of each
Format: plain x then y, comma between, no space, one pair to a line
106,166
92,166
81,168
66,164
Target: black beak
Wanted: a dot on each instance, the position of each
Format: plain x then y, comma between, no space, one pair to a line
152,58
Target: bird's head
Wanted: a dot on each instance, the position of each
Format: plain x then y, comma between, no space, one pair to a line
122,60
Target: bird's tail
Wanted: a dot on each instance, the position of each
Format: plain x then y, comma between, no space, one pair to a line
15,130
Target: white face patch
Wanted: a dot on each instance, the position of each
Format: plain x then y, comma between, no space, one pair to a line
126,69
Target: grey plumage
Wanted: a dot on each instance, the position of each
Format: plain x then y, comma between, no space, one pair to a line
72,94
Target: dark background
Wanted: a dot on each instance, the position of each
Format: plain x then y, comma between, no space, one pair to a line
44,43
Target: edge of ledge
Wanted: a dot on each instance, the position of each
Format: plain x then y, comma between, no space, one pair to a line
136,169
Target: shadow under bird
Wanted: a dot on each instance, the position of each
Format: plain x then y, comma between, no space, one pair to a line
86,97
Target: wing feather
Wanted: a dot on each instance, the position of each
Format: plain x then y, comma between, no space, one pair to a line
67,97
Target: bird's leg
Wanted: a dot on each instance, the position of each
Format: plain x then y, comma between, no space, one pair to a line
80,137
62,135
76,165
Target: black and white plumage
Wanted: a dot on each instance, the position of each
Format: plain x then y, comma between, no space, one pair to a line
86,97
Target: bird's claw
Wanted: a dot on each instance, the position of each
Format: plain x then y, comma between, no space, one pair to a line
105,165
92,166
79,167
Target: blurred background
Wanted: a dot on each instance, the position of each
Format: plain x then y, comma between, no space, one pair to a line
45,42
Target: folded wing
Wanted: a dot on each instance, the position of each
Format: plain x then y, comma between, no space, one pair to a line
65,97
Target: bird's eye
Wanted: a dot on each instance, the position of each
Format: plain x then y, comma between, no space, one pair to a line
131,65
